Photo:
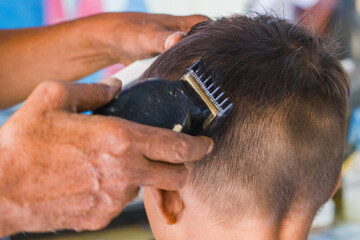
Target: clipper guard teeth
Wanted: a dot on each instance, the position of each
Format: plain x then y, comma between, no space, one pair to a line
219,105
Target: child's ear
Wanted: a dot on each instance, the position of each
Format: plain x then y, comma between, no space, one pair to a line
168,204
337,186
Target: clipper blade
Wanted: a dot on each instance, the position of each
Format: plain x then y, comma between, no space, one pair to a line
201,80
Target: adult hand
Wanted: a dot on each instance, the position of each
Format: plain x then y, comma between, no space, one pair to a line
139,35
63,170
75,49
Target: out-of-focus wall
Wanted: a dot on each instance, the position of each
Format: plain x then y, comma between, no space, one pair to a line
20,13
208,7
211,8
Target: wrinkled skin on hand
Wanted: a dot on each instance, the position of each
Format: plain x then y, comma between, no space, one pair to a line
63,170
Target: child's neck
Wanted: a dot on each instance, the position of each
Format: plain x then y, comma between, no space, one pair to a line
294,228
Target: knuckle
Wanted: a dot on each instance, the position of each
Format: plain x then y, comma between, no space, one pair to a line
118,137
96,224
183,149
101,215
104,92
152,26
51,90
155,29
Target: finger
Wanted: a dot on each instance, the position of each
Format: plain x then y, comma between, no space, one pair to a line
161,40
77,97
184,23
110,81
73,97
172,39
91,96
175,29
169,146
161,175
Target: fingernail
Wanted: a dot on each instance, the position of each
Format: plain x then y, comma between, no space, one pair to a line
110,81
167,42
173,38
210,143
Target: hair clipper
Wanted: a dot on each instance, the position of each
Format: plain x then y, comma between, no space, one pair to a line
192,105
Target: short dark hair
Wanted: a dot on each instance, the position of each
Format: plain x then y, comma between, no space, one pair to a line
282,146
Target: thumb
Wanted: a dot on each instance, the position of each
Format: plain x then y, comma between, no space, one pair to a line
85,97
73,97
92,96
111,81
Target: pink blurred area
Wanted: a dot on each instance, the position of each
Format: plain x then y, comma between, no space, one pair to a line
61,10
56,11
86,7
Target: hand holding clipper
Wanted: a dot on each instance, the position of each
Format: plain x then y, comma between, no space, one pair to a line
193,105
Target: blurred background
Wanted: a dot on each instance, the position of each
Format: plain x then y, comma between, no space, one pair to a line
340,217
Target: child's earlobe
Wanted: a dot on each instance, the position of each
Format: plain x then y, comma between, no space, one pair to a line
168,204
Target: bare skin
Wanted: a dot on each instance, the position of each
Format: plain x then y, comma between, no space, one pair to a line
63,170
72,50
179,215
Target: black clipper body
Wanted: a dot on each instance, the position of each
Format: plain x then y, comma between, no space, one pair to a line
192,105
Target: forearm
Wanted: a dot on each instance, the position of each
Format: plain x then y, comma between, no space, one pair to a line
66,51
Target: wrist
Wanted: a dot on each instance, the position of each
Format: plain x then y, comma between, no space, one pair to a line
97,34
83,47
112,32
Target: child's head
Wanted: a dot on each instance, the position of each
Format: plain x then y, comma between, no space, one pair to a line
278,157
